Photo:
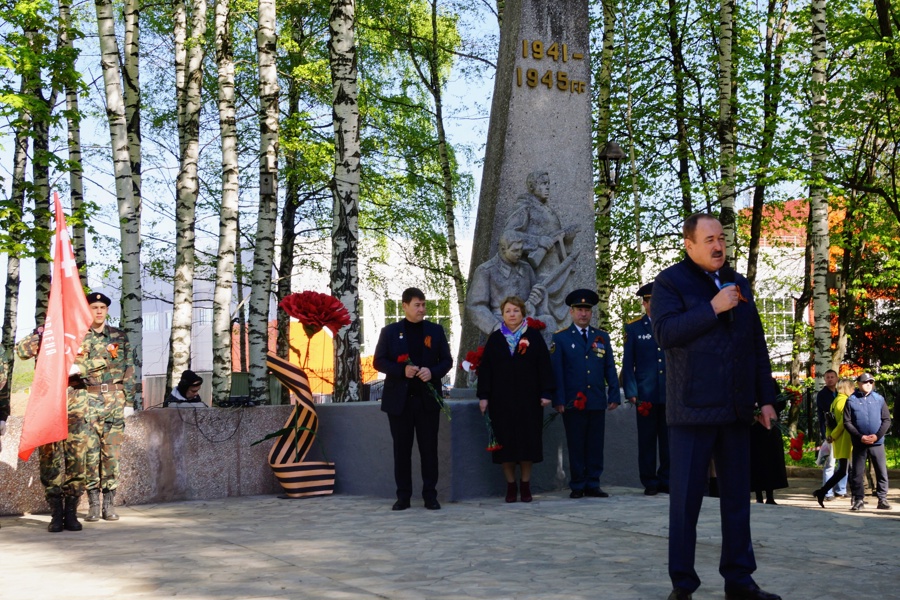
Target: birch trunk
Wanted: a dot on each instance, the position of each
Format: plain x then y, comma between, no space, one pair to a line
726,127
682,149
131,78
41,179
604,193
73,139
222,363
129,206
13,279
239,290
818,199
775,31
345,189
261,280
632,159
802,303
187,188
179,32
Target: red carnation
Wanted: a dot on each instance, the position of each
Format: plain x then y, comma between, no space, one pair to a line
473,360
535,324
580,401
315,311
644,408
403,358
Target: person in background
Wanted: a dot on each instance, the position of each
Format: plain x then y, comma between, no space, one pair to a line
824,400
515,383
644,382
839,440
867,419
187,392
767,469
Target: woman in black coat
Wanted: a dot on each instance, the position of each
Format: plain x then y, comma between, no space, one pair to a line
515,383
767,469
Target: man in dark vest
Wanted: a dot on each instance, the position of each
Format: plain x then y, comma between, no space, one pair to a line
414,355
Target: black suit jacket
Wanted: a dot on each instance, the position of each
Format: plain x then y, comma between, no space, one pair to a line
392,344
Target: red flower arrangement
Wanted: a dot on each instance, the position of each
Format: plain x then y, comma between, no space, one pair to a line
796,447
493,444
315,311
644,408
535,324
473,360
523,345
404,359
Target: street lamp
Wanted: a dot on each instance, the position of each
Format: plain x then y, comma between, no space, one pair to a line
610,157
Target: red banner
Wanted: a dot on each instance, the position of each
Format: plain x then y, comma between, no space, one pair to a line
68,319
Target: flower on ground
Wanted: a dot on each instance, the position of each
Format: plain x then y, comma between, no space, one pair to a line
315,310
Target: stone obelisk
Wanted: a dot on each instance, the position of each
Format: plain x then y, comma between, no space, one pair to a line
540,128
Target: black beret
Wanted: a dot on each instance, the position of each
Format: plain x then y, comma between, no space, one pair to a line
583,298
645,290
98,297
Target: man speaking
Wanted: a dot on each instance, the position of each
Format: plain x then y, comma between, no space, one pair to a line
718,369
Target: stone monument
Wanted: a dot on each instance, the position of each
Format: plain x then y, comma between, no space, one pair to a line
537,184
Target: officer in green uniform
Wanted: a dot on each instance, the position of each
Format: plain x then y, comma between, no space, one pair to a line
107,387
61,464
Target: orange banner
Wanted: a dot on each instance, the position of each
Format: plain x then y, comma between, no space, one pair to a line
68,319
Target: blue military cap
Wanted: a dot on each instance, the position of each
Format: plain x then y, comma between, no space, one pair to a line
646,290
98,297
583,298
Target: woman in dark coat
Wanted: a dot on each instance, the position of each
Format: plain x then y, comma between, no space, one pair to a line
515,383
767,470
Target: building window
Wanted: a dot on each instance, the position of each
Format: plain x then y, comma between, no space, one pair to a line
777,315
151,322
436,311
204,316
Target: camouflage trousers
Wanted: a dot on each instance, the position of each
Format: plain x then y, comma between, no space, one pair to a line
62,464
102,460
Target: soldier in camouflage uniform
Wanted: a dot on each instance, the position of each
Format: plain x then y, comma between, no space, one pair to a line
61,463
108,384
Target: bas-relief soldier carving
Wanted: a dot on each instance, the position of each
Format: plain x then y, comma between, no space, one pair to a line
533,231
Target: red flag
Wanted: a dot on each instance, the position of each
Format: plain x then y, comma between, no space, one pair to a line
68,319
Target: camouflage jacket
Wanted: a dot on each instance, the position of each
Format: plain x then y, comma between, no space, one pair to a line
106,358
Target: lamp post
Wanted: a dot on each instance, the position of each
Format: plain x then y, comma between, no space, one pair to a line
610,157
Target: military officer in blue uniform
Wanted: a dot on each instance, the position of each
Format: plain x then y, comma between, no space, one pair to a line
644,382
586,387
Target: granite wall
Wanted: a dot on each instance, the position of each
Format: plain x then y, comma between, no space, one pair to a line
191,454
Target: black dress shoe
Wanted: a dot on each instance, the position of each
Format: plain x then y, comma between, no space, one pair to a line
577,494
651,491
595,493
400,505
432,505
750,593
679,594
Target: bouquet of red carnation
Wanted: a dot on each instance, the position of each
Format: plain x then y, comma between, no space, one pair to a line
493,444
472,361
796,447
644,408
315,311
404,359
579,403
535,324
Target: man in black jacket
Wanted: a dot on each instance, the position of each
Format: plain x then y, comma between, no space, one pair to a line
717,370
414,355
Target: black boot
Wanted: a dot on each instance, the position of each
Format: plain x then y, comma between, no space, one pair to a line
109,505
93,506
71,517
57,514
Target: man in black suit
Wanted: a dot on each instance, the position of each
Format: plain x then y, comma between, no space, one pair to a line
717,371
414,355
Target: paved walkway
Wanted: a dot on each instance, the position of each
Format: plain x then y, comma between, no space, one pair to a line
350,547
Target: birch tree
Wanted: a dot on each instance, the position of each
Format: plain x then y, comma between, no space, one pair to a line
129,207
261,279
345,190
187,189
817,194
228,211
726,126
